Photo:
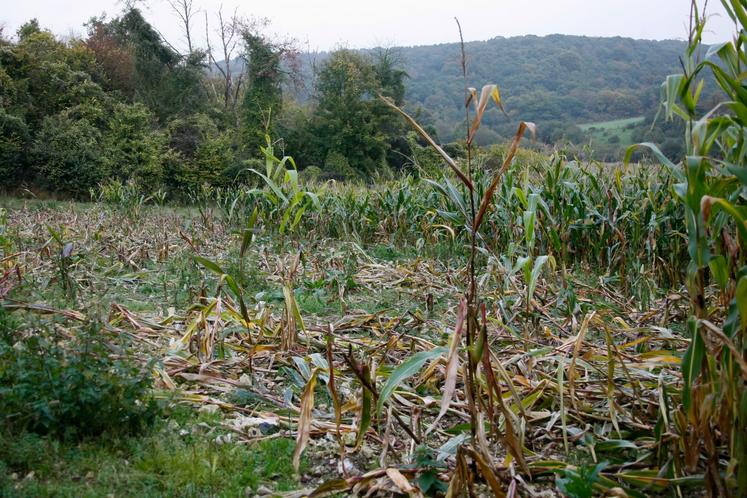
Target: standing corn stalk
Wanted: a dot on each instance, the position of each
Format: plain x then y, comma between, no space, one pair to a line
712,420
485,400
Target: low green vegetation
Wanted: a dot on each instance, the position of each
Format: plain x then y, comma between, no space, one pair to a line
181,456
488,321
84,388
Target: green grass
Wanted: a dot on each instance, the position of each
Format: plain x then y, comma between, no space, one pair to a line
175,459
388,252
614,132
611,125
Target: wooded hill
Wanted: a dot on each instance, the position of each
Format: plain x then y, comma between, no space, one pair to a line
555,81
549,80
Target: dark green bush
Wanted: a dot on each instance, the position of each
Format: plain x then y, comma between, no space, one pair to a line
201,153
7,325
133,148
71,387
337,167
68,154
14,140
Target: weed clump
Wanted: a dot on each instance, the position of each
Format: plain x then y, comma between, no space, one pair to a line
71,385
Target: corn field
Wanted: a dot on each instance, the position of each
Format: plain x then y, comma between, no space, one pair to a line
506,328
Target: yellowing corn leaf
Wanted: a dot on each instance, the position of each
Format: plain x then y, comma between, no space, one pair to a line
576,350
488,196
304,419
452,164
401,482
471,96
452,365
488,92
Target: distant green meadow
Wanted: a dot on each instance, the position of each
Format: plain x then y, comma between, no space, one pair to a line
614,132
614,124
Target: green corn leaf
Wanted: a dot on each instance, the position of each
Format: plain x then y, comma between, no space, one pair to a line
478,346
720,270
524,263
297,218
365,422
519,193
692,361
615,444
659,155
529,219
449,448
291,177
210,265
271,184
741,298
671,89
404,371
739,171
292,305
708,202
537,270
314,199
297,198
455,196
233,285
730,85
303,367
249,232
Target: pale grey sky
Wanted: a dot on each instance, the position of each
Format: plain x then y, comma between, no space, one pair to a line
324,24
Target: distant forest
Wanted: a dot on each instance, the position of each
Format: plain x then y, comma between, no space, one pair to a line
122,104
556,81
553,81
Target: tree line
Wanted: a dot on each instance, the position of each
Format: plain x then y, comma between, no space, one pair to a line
121,104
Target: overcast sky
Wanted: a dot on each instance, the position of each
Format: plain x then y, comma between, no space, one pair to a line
325,24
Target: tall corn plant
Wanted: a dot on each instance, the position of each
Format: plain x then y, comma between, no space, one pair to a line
288,201
288,204
484,399
713,190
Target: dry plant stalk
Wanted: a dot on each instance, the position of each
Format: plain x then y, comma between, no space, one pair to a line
476,345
